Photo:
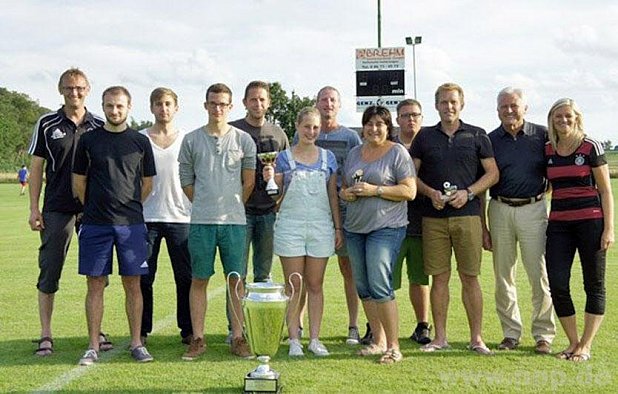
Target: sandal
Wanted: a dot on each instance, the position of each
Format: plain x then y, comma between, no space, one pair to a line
578,358
44,351
564,355
104,343
391,356
371,350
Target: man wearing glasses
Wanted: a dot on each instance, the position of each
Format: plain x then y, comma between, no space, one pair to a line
410,119
53,142
217,174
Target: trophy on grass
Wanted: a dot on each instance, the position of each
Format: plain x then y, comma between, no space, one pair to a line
268,159
449,191
264,308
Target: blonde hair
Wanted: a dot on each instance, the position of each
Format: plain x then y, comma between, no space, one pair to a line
446,87
158,93
307,111
579,122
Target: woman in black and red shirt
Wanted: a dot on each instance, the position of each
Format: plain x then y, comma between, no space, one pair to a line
581,218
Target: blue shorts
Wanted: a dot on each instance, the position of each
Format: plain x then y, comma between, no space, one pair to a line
96,243
203,242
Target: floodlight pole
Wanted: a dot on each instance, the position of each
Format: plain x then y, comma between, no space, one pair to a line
379,24
414,42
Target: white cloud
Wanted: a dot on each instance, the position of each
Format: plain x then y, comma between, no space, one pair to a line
550,48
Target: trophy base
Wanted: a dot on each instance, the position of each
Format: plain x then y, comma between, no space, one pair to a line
262,384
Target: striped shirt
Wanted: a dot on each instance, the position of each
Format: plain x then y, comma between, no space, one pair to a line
574,191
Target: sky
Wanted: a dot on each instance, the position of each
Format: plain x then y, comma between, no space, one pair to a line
549,48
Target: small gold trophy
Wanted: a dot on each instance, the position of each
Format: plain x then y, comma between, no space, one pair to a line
449,191
268,159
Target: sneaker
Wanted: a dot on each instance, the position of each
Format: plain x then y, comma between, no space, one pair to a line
228,339
421,334
296,348
508,344
368,338
353,336
197,347
316,347
240,348
89,358
186,340
141,355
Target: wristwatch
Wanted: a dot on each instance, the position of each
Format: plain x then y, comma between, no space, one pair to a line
470,195
379,191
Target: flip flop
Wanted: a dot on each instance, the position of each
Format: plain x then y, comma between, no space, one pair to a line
434,347
104,343
578,358
481,349
371,350
564,355
44,351
391,356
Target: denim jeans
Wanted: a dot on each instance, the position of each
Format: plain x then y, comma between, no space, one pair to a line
373,257
176,238
260,235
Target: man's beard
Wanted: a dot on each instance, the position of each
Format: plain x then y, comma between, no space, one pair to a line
116,123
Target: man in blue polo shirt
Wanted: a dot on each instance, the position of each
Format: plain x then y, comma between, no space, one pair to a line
518,214
455,165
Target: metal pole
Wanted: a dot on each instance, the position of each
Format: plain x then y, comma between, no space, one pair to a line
414,67
379,25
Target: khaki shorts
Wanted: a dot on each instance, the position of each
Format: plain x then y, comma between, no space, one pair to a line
461,234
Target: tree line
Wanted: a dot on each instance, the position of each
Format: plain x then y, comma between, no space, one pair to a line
19,114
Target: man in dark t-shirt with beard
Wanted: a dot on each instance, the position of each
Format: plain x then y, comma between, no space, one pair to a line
112,175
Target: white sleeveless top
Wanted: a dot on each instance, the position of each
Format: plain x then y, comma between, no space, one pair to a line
167,203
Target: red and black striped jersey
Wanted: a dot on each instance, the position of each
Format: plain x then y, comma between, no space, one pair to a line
574,191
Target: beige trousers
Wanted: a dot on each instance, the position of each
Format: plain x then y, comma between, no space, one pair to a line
525,225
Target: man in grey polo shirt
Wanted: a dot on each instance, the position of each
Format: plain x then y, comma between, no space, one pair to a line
518,214
217,174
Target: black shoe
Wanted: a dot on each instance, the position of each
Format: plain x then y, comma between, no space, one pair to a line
367,339
421,334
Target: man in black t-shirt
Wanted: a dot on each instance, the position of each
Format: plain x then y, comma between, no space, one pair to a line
112,175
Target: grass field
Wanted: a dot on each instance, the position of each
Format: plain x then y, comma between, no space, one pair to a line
457,370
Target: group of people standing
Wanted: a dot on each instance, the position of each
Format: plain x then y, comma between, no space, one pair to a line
375,201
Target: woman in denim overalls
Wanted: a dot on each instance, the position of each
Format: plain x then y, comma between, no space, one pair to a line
308,225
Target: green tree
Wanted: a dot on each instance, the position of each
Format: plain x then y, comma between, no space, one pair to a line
143,124
18,115
283,109
607,145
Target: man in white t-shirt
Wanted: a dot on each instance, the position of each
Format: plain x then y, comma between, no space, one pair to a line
167,212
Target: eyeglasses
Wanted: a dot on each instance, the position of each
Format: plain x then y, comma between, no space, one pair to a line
69,89
411,115
218,105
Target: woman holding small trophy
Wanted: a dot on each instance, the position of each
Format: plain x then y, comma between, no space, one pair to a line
308,225
379,178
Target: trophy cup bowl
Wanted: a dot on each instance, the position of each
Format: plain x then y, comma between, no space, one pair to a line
264,307
268,159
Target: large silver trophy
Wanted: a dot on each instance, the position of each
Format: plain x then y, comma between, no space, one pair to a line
268,159
264,308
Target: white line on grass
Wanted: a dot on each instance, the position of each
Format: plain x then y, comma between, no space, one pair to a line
63,380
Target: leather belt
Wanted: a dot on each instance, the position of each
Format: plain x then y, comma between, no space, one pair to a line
518,202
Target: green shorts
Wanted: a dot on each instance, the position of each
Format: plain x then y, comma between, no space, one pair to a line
204,239
412,252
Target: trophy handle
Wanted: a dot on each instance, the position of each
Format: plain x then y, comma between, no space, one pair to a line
229,292
300,277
